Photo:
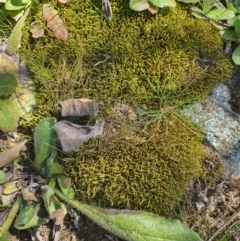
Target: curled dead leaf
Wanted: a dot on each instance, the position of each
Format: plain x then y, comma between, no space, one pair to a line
58,216
72,136
79,107
10,155
28,195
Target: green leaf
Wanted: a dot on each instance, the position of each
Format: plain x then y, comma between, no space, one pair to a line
13,42
236,56
44,140
5,236
50,203
135,225
197,12
16,4
139,5
23,99
229,34
8,84
231,7
67,191
28,217
11,187
237,26
51,167
221,14
8,117
2,177
189,1
163,3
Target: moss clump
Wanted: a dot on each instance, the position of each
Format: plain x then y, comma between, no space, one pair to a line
148,172
154,62
144,51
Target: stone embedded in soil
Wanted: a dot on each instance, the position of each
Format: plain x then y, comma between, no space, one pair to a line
221,127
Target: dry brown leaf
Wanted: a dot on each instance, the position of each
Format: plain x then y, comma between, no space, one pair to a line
72,136
10,155
28,195
152,10
37,33
63,1
80,107
58,217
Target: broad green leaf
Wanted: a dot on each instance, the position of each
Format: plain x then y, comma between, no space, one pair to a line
28,217
50,203
51,166
197,12
163,3
135,225
237,27
139,5
56,169
231,21
16,4
229,34
67,191
2,177
220,14
10,187
19,104
8,117
8,84
44,140
13,42
236,56
231,7
23,99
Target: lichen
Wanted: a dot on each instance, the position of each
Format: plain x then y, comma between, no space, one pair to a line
158,63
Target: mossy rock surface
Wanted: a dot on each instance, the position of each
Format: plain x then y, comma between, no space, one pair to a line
157,63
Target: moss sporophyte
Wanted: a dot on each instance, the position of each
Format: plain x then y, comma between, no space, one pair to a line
152,67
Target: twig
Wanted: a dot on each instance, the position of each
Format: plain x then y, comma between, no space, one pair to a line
8,222
224,226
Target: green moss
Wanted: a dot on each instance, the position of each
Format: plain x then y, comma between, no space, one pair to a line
140,47
149,171
150,62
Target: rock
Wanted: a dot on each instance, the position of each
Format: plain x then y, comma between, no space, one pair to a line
221,127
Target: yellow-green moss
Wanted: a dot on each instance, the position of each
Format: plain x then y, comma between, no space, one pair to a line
148,61
140,47
147,172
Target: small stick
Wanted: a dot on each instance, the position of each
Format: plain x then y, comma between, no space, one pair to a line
224,226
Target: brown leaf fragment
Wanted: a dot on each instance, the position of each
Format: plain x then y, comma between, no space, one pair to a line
58,217
72,136
80,107
54,22
37,33
152,10
63,1
28,195
107,10
10,155
23,74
